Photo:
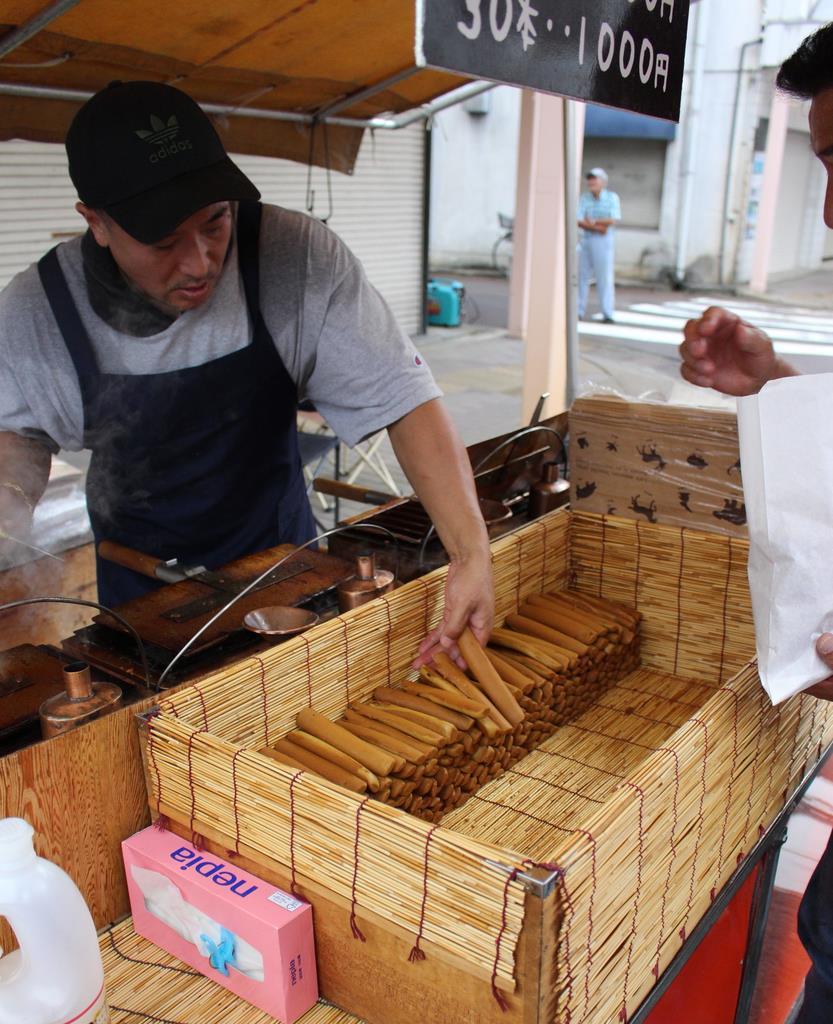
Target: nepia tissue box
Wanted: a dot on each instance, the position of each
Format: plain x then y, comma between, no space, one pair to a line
230,925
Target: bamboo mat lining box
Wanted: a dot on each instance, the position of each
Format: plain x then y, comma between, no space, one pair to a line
641,808
658,463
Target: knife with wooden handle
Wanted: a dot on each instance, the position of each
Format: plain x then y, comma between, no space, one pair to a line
351,492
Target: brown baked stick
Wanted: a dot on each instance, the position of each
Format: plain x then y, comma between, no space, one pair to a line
543,615
428,705
395,742
584,626
539,650
437,679
449,732
486,674
624,615
569,621
298,757
473,707
614,615
389,717
455,675
330,753
380,762
511,673
534,670
522,624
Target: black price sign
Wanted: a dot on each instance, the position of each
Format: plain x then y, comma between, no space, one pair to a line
622,53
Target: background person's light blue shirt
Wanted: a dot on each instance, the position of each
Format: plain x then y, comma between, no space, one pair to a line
606,207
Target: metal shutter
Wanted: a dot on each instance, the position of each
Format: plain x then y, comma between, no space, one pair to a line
377,210
37,203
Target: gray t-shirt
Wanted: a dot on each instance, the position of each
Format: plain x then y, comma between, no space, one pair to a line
336,336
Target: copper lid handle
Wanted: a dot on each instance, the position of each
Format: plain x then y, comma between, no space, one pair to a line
79,685
366,566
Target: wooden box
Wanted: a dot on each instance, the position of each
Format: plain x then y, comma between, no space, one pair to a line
563,889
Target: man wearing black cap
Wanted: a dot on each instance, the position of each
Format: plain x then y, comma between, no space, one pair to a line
173,340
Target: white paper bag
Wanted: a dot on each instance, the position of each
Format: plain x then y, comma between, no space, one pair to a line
786,453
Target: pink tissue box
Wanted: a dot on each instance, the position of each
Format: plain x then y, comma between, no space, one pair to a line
230,925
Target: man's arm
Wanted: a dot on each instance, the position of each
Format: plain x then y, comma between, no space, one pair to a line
437,466
24,472
584,220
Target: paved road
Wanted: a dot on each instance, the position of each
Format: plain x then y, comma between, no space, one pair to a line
637,355
803,337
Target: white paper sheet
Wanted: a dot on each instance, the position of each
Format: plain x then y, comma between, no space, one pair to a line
786,451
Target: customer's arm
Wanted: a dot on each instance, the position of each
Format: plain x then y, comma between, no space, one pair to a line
437,466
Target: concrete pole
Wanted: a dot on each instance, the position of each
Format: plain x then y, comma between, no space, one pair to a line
574,116
545,358
521,235
773,161
692,156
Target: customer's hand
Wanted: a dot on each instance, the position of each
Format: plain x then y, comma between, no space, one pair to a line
722,351
824,649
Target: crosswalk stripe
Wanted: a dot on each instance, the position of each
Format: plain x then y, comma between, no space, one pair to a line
655,336
650,316
694,307
760,317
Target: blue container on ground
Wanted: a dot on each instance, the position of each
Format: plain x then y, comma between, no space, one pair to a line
445,302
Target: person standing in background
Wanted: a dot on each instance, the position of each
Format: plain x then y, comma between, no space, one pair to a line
598,213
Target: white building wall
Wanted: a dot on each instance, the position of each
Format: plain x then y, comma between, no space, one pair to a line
473,165
378,210
473,174
641,254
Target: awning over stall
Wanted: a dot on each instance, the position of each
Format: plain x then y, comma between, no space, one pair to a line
351,60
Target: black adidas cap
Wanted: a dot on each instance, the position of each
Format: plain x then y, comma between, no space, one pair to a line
147,155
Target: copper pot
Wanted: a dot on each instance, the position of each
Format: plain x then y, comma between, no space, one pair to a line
548,493
82,701
368,583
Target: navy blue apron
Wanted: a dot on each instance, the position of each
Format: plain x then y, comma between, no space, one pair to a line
199,464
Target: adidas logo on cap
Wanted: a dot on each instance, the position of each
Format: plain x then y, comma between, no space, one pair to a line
163,136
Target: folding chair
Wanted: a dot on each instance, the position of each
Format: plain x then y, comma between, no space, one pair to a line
315,443
367,455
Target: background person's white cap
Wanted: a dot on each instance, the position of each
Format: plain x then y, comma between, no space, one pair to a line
597,172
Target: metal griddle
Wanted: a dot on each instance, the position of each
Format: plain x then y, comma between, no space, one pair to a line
168,617
28,676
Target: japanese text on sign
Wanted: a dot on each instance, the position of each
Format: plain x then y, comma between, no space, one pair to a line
625,53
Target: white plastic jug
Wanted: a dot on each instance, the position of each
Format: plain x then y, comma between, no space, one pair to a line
56,976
